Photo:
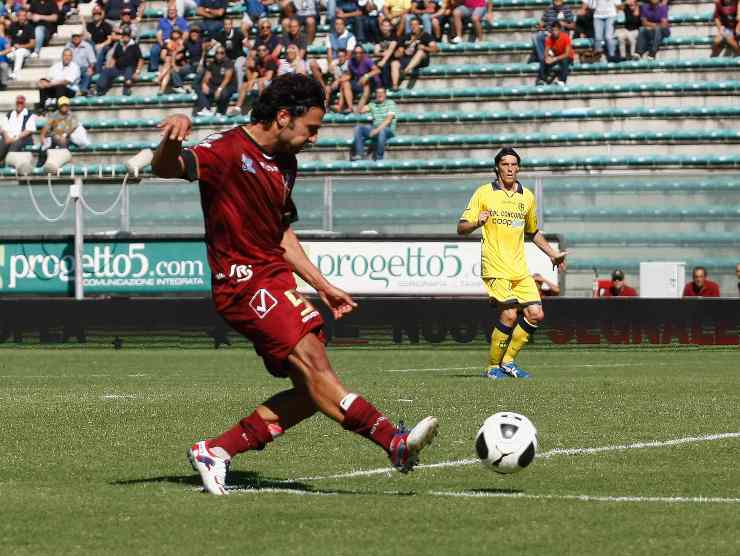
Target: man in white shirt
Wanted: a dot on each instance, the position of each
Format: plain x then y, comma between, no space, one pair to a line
83,54
63,81
17,127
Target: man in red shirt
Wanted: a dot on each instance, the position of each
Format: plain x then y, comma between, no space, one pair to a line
246,177
618,287
700,285
559,56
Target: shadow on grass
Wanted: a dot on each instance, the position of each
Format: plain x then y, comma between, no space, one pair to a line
250,481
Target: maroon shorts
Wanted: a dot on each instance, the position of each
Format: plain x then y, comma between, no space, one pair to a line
269,311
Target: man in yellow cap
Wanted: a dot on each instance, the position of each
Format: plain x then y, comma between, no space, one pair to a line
59,128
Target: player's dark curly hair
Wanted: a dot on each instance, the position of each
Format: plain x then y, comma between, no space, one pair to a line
293,92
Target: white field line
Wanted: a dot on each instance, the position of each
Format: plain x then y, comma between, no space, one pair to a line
591,498
543,455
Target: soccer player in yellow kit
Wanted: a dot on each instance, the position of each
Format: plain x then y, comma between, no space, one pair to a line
506,211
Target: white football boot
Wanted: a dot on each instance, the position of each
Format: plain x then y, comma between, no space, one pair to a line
212,468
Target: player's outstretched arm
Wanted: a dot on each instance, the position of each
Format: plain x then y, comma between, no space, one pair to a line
167,162
340,302
556,257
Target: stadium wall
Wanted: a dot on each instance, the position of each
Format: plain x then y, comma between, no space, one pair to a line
379,322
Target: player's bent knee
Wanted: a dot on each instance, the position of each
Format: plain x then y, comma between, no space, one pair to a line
534,314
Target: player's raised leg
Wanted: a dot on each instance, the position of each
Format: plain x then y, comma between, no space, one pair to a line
310,366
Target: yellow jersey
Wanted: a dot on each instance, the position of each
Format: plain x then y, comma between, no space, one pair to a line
512,215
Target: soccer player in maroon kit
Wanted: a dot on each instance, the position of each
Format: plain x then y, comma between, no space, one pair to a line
246,177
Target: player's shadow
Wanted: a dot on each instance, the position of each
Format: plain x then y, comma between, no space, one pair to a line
251,481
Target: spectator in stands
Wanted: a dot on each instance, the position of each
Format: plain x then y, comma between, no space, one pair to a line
728,27
114,8
125,62
384,50
337,74
22,42
416,49
185,61
83,55
62,129
442,18
584,25
213,13
363,79
106,52
260,72
236,46
557,11
372,13
98,31
173,62
183,7
630,28
423,10
18,127
700,285
44,16
339,39
396,11
266,37
559,56
605,13
546,288
293,35
475,11
63,80
655,28
307,14
194,52
254,10
164,30
293,62
5,49
127,20
619,288
350,12
219,83
383,112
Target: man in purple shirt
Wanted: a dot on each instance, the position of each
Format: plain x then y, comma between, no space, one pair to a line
655,28
363,77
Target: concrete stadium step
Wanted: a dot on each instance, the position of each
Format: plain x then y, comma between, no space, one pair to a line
648,225
478,152
645,252
334,131
470,99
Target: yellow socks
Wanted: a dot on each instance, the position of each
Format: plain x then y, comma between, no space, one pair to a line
499,341
519,337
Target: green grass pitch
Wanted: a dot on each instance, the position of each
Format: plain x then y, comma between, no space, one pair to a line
92,457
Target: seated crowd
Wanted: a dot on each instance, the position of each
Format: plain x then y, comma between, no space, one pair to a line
374,46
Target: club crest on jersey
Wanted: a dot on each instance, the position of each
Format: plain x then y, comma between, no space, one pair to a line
262,302
248,164
242,272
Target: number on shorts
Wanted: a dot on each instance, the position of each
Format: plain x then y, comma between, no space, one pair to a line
297,300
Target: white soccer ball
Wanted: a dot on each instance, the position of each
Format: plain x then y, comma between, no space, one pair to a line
507,442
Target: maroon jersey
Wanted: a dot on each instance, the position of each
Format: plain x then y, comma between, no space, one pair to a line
247,206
